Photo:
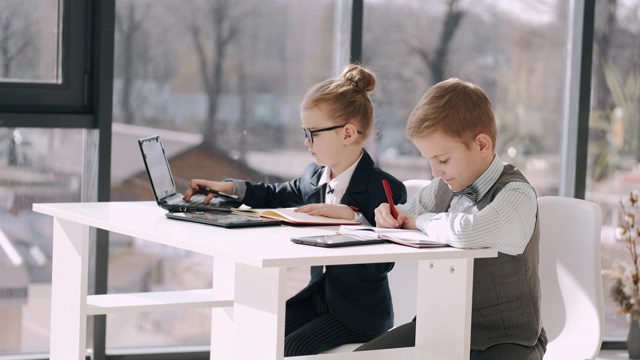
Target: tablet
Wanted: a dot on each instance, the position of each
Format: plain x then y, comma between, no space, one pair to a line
334,240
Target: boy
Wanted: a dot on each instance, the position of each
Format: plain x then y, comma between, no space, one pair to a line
475,201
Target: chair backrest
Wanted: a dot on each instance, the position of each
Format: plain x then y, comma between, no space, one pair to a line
570,277
414,185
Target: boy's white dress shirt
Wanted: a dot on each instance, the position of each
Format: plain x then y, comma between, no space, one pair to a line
506,224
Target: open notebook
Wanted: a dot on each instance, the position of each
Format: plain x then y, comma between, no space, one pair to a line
352,235
413,238
291,217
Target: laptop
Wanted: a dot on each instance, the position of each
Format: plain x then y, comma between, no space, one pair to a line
164,187
217,212
224,219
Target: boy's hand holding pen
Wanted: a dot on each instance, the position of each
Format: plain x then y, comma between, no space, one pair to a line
388,216
395,221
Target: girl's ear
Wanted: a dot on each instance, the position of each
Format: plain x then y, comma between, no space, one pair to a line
350,133
484,144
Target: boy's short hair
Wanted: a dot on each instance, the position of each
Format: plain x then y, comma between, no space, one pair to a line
458,109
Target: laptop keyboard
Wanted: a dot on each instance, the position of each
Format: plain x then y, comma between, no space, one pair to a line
196,203
199,203
225,218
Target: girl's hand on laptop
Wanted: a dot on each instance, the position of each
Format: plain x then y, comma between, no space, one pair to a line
199,186
336,211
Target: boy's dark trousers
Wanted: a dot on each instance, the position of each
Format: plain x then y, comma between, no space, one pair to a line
405,335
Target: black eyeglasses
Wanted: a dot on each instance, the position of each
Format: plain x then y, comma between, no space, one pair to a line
308,134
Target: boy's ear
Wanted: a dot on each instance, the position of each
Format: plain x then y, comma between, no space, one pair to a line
485,146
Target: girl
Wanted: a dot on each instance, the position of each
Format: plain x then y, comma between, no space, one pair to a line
347,303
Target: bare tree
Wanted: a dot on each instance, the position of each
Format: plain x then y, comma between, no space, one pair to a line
602,42
257,60
128,25
601,165
16,36
211,39
146,57
245,110
436,59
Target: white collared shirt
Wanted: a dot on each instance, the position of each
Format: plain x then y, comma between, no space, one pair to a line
339,184
506,224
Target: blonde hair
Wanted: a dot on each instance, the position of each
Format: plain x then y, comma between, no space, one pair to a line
458,109
346,98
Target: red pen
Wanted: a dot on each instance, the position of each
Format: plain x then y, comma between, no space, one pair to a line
387,190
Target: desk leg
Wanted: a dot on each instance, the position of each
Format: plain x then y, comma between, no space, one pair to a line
258,315
444,306
222,318
69,290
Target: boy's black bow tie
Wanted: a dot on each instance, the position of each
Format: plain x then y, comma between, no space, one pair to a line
329,189
468,192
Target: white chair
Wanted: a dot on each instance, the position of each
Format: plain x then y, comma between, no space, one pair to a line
403,280
570,277
414,185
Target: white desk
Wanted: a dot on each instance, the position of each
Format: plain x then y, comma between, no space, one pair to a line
248,295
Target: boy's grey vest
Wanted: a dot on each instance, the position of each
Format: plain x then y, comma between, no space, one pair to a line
506,289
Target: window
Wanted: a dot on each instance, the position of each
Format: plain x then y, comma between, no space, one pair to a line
30,171
220,82
515,53
39,70
614,133
48,151
30,41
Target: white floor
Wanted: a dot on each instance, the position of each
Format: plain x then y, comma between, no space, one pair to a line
613,355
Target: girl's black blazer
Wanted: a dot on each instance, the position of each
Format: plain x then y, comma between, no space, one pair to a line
358,295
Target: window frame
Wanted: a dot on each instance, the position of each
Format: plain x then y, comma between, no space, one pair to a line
71,95
83,100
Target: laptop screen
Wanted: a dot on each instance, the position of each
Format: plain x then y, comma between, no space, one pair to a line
158,168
